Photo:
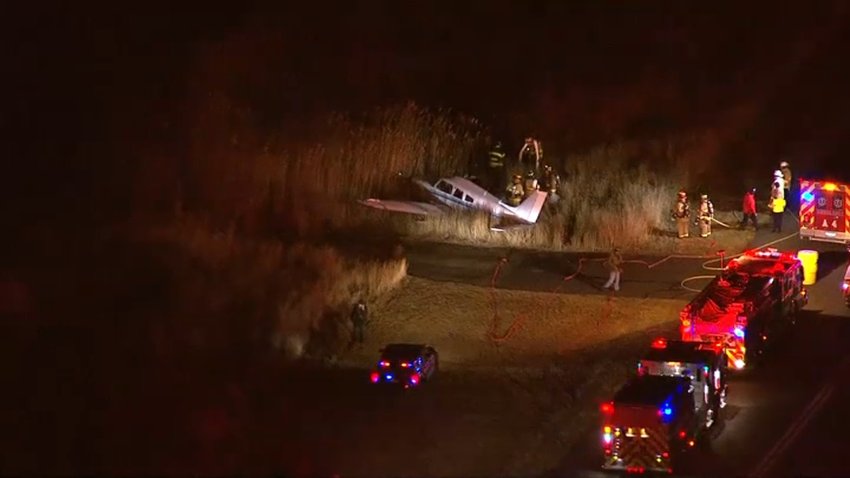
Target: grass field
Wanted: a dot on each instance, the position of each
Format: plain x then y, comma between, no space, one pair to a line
460,319
516,407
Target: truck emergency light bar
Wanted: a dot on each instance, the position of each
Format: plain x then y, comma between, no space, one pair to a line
770,252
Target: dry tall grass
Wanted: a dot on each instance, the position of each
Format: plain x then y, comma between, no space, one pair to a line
608,196
611,197
357,159
306,188
229,290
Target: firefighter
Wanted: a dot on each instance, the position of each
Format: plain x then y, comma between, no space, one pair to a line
748,209
530,185
531,154
706,214
777,206
551,183
681,214
496,166
514,192
614,264
779,178
359,318
551,180
786,179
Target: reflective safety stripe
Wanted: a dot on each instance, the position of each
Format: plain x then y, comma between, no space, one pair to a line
846,209
807,207
497,158
643,449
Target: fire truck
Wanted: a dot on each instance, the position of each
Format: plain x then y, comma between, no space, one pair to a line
825,211
649,425
701,362
756,295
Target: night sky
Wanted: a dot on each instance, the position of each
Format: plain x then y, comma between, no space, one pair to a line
89,87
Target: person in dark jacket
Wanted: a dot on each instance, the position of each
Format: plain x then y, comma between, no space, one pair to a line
531,155
359,317
749,209
496,167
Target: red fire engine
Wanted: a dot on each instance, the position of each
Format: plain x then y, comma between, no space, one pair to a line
825,211
756,295
649,425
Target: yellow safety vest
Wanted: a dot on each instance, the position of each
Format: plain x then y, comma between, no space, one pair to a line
778,205
497,159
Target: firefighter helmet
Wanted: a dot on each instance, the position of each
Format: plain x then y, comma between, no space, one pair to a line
777,174
703,196
784,164
683,194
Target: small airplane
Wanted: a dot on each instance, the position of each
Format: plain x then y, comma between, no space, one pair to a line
462,194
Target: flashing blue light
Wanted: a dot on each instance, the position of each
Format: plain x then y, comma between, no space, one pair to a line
389,376
808,197
705,369
668,411
739,333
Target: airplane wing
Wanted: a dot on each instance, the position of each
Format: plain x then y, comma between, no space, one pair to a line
505,226
407,207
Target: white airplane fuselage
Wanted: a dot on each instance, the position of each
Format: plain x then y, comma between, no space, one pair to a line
463,194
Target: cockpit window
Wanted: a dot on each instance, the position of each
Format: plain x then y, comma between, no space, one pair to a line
468,198
458,194
444,186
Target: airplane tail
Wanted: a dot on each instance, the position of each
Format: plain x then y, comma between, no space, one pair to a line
529,209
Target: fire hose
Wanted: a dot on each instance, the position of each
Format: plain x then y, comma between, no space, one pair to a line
520,319
706,265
